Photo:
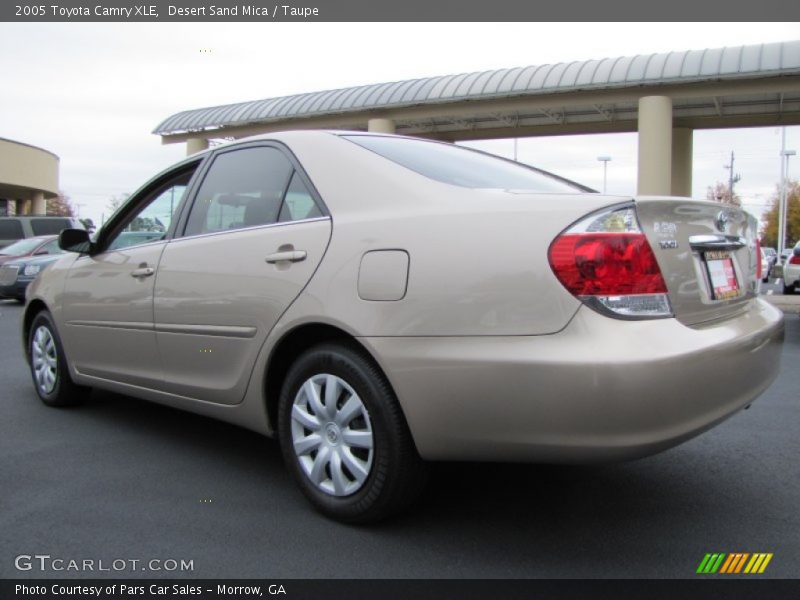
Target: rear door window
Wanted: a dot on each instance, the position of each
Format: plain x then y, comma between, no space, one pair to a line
298,204
242,188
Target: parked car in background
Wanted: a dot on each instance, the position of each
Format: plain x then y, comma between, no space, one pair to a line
791,271
16,275
764,267
35,246
26,226
772,255
376,301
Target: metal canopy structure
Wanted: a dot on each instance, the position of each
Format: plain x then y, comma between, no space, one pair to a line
721,87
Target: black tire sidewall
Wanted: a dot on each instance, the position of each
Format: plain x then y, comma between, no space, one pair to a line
60,394
369,501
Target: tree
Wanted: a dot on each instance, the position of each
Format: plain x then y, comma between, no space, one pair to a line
60,206
720,192
116,201
769,232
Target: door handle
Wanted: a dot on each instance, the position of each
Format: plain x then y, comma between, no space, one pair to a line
143,272
286,256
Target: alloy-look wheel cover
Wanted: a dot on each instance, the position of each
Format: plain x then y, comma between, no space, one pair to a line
44,359
332,435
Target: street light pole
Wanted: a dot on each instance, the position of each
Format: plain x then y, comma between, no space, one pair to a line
784,195
604,160
782,220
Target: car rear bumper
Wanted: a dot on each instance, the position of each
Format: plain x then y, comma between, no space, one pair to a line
599,390
791,274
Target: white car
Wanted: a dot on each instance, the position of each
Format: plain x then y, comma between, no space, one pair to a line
791,271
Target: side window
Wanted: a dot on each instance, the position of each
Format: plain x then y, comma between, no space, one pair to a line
154,216
298,204
49,226
243,188
50,247
11,229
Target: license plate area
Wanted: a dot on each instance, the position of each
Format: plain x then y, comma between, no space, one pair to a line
721,274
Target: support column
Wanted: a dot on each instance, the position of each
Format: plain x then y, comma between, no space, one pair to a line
682,162
195,145
655,146
24,207
38,203
381,125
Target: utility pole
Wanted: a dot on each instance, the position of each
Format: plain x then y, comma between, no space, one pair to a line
732,178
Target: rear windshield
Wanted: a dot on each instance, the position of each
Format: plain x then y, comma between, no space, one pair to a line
464,167
49,226
10,229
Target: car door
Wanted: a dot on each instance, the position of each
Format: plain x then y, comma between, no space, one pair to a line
255,233
108,295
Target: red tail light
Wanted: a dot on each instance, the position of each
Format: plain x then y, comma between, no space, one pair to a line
794,260
607,263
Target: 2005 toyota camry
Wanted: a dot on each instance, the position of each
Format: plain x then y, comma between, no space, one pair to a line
377,301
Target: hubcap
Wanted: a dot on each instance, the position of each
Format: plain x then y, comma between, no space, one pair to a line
332,435
45,360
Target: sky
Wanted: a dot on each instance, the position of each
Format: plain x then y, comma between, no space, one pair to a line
93,92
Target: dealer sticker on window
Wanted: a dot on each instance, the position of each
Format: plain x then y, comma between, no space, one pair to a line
722,275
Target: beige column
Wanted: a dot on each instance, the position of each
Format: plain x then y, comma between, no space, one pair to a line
24,207
195,145
381,125
655,145
38,204
682,162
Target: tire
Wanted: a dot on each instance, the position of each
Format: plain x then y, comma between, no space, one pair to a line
788,289
333,465
49,371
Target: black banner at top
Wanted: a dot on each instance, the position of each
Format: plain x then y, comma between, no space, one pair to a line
183,11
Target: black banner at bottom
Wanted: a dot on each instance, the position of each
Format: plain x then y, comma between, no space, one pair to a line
390,589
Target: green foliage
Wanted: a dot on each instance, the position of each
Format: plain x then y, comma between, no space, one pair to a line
769,231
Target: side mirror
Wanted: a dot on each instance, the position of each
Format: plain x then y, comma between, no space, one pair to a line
75,240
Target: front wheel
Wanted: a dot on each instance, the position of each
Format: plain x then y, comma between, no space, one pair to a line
344,438
49,366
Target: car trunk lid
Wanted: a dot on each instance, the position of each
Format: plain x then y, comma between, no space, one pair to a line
707,254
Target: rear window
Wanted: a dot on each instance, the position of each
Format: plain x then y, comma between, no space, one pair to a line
11,229
461,166
49,226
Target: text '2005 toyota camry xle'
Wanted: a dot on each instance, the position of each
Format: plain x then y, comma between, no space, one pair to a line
376,302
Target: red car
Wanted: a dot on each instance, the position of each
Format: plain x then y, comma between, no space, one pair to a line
32,246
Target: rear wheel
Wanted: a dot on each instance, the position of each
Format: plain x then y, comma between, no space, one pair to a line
344,437
49,366
788,289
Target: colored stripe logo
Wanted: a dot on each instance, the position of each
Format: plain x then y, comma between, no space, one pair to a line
734,563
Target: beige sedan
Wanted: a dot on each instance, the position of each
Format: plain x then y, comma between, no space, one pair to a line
377,302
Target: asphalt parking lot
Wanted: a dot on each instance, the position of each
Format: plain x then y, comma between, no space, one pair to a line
120,478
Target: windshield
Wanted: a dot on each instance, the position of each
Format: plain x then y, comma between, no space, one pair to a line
21,247
464,167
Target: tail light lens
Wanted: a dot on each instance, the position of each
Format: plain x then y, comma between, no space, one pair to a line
607,263
794,260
